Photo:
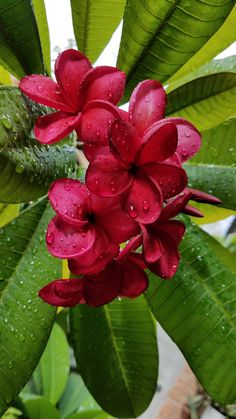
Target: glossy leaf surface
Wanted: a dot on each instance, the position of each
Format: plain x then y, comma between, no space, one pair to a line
20,47
94,22
27,167
118,364
160,37
26,321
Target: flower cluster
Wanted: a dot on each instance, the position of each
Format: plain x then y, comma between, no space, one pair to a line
121,221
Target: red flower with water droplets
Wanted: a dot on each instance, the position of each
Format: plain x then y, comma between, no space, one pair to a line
145,170
161,239
122,277
85,227
84,97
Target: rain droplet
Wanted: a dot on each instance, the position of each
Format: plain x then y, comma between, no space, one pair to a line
67,186
146,205
19,168
132,211
50,238
6,123
188,133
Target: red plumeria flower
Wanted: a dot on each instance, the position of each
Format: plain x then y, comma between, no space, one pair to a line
87,228
143,169
123,277
84,97
161,239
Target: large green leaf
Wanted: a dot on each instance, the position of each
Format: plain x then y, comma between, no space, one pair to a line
213,169
26,321
161,36
8,212
27,167
94,22
205,101
224,37
41,408
52,372
202,93
197,309
116,352
20,48
42,23
76,397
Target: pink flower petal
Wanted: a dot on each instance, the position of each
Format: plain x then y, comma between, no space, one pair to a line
70,67
106,176
176,205
104,287
71,200
105,83
200,196
143,201
80,266
44,90
174,229
55,126
147,105
159,144
132,245
168,263
96,120
134,282
67,241
89,258
123,140
113,220
92,150
171,179
192,211
152,247
189,138
64,293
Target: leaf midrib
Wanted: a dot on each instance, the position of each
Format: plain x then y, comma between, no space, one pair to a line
116,351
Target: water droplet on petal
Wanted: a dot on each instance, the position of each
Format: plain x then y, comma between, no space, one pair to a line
40,88
146,205
132,211
67,186
188,133
50,237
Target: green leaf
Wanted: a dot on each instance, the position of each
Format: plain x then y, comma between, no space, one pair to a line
26,323
27,167
76,397
159,37
52,371
42,23
20,49
213,169
8,213
212,214
5,77
206,101
116,353
94,21
41,408
223,38
92,414
197,309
